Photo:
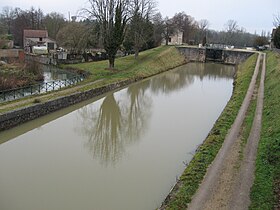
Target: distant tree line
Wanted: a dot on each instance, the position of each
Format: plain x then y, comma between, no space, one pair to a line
127,25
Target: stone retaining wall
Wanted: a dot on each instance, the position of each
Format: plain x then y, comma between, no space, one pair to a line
17,117
11,55
202,55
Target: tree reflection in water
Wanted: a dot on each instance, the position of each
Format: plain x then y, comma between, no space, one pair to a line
115,125
102,129
172,81
137,111
121,118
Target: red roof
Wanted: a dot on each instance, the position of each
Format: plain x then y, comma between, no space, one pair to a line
35,33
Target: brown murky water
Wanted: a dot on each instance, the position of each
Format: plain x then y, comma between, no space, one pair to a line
121,151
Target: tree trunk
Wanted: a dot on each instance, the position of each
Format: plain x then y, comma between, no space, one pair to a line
111,62
166,41
136,53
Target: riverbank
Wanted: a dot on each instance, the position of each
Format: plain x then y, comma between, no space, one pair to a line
17,75
189,182
265,193
150,62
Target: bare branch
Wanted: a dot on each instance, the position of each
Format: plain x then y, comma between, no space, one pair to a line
276,20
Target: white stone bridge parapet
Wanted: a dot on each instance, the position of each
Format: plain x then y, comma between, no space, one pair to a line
226,56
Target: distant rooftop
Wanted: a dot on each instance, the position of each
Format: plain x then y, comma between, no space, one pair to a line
35,33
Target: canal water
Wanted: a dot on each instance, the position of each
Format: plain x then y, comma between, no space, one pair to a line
123,150
54,79
52,73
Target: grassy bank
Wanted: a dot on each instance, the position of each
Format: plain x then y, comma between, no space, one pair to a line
150,62
267,180
206,153
17,75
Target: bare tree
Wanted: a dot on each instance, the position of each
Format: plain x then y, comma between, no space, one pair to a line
186,24
112,15
54,22
203,27
231,28
158,28
73,36
7,16
142,13
169,29
276,20
203,24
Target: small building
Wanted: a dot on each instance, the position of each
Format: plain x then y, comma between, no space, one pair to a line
176,38
37,38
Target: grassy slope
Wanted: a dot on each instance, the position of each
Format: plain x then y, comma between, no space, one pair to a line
268,158
206,153
150,62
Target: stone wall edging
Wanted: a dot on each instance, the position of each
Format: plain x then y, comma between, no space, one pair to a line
22,115
200,55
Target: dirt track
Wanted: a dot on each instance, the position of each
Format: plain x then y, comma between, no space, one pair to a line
227,182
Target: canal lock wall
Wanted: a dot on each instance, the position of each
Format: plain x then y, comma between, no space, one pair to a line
225,56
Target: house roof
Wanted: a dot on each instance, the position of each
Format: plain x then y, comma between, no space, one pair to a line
35,33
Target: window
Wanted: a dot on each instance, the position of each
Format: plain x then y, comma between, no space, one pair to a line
40,39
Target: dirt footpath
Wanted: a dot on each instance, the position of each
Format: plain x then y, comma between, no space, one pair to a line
228,180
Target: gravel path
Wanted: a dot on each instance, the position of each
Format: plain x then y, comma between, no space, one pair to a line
241,196
225,181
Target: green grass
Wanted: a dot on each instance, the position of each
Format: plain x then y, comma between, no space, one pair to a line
150,62
267,175
194,173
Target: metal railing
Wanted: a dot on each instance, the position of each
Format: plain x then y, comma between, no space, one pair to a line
17,93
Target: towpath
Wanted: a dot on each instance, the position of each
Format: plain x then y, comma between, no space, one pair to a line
229,178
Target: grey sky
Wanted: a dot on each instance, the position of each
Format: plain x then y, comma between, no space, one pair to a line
253,15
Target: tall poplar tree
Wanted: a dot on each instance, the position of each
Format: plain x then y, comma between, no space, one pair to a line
112,15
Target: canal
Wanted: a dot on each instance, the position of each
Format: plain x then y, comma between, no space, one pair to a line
54,79
123,150
52,73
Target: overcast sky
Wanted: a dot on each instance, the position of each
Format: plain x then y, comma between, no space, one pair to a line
253,15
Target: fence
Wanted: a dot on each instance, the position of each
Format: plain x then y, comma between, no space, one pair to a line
12,94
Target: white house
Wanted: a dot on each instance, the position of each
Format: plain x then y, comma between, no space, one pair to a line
37,38
175,39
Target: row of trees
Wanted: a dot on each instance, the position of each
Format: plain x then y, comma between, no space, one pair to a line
130,25
14,21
